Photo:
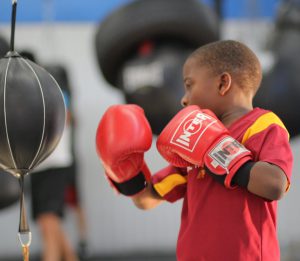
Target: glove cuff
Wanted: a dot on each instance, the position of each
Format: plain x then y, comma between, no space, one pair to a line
131,186
234,169
242,176
239,178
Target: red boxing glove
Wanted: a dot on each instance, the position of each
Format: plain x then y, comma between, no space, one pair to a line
197,137
123,135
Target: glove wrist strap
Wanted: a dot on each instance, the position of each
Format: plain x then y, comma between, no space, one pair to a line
242,176
132,186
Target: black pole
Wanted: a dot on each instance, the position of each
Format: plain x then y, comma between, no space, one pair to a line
219,9
13,25
23,225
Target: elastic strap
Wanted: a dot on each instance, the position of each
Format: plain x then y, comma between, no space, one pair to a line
242,176
132,186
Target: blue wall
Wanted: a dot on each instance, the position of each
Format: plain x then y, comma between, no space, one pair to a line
95,10
59,10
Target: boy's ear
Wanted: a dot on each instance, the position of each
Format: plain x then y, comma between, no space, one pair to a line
225,83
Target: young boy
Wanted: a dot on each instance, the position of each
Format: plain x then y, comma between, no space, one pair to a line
229,162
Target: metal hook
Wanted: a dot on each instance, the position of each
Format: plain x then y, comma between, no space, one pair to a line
28,240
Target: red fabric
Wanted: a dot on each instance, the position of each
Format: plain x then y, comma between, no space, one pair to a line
71,197
123,135
222,224
177,192
179,142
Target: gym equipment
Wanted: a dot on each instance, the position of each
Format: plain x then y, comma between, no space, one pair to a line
32,120
280,91
142,46
9,190
4,47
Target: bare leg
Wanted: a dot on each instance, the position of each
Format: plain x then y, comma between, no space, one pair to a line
82,227
68,253
56,246
81,223
50,231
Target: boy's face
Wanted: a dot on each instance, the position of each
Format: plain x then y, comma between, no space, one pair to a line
201,87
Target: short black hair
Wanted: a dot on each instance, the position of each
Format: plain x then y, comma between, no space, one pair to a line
234,58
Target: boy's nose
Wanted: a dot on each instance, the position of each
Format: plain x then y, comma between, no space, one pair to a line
184,101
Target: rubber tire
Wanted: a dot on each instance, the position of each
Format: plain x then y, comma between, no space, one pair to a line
121,32
4,47
279,91
9,190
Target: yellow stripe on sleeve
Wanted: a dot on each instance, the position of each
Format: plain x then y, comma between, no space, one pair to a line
262,123
167,184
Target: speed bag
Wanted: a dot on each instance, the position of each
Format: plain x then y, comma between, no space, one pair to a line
32,114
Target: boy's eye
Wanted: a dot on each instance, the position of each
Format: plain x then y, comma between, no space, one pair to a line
188,86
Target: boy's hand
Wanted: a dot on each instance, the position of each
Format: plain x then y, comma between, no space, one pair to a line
197,137
123,135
